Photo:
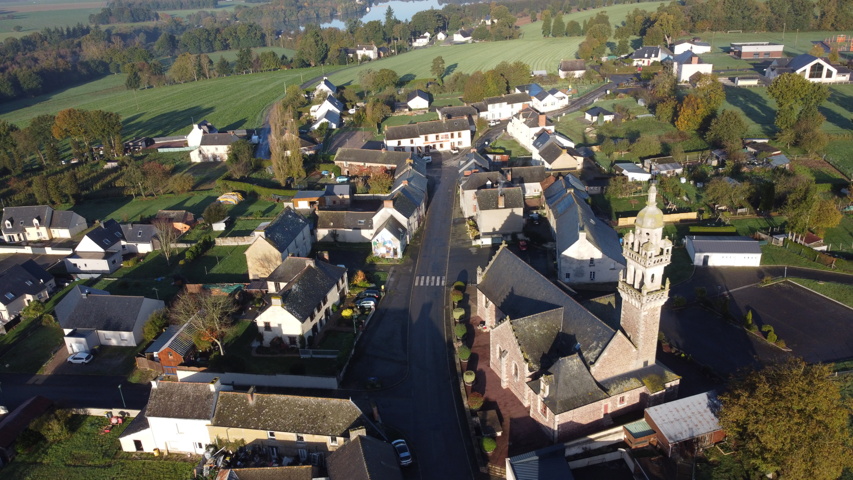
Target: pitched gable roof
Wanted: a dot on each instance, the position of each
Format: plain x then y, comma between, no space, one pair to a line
348,219
185,400
107,235
478,180
113,313
474,161
596,111
536,294
308,287
364,458
215,139
387,158
570,385
426,128
64,219
287,413
488,199
572,65
418,93
27,278
138,233
282,231
20,218
392,226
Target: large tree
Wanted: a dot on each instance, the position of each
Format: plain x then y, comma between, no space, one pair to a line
166,236
209,314
438,69
794,94
240,159
788,419
727,129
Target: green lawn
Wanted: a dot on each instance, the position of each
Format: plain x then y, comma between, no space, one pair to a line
34,21
681,267
89,455
839,292
233,102
748,226
840,154
508,145
231,55
840,238
129,209
31,352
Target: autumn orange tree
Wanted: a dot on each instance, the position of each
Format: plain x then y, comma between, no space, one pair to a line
788,419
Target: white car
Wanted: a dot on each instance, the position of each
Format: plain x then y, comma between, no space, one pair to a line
367,302
80,357
403,452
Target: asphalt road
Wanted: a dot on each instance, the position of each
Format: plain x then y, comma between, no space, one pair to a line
73,391
408,346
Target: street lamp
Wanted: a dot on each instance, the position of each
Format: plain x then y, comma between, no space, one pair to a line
156,294
123,404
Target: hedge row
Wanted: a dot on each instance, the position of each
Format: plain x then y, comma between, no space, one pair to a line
231,185
697,229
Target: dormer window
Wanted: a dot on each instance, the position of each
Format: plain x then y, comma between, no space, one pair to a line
105,242
29,283
139,234
36,222
10,296
118,234
8,224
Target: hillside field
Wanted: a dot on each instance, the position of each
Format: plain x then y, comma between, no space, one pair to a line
238,101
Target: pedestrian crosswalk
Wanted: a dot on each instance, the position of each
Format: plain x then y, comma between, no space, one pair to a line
429,281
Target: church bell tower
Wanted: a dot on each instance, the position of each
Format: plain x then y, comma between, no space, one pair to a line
641,286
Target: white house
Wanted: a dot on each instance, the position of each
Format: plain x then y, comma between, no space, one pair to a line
571,68
588,249
98,252
91,317
441,36
422,41
724,251
326,87
526,125
687,64
418,100
369,51
695,45
20,285
645,56
555,151
207,144
502,107
303,291
463,35
814,69
330,104
424,137
39,223
175,420
544,100
596,114
634,172
139,238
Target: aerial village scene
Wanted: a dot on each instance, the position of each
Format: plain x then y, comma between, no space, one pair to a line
426,239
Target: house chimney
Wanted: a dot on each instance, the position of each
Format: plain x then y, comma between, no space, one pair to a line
388,203
323,255
251,395
694,60
501,201
357,432
383,150
542,120
215,385
275,300
405,182
154,383
546,385
509,175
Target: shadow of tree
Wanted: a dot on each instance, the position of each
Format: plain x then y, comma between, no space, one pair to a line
753,106
166,123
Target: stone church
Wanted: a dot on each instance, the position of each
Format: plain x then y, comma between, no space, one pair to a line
577,366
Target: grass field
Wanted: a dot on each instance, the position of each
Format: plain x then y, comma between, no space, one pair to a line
34,21
231,55
89,455
127,209
837,291
233,102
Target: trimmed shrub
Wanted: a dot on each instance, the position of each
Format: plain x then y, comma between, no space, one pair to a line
475,400
458,313
460,285
678,301
767,328
752,327
489,444
130,262
772,337
347,313
747,319
464,353
469,376
157,321
456,296
781,343
460,331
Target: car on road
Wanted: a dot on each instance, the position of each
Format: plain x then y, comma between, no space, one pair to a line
403,452
366,303
80,357
454,151
342,179
369,294
486,142
493,123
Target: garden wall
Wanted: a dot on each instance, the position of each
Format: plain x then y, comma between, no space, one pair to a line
229,241
291,381
35,250
668,218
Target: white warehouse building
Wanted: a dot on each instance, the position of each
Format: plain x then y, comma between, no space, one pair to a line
723,251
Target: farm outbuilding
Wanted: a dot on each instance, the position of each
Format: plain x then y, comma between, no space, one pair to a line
689,423
723,251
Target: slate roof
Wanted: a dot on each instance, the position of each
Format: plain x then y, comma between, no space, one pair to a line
62,218
364,458
778,160
546,464
138,233
138,424
416,130
478,180
184,400
287,413
410,176
630,167
457,111
572,65
325,83
107,234
282,231
338,189
508,98
687,418
530,117
650,52
27,278
307,289
113,313
407,200
551,152
572,215
309,194
334,102
394,227
218,139
330,116
545,137
596,111
801,61
22,217
724,244
417,94
345,219
386,158
487,199
534,174
298,472
762,147
536,294
474,159
570,385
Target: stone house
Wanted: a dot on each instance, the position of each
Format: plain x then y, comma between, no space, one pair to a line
288,235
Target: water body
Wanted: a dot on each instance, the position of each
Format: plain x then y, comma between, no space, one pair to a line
402,10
